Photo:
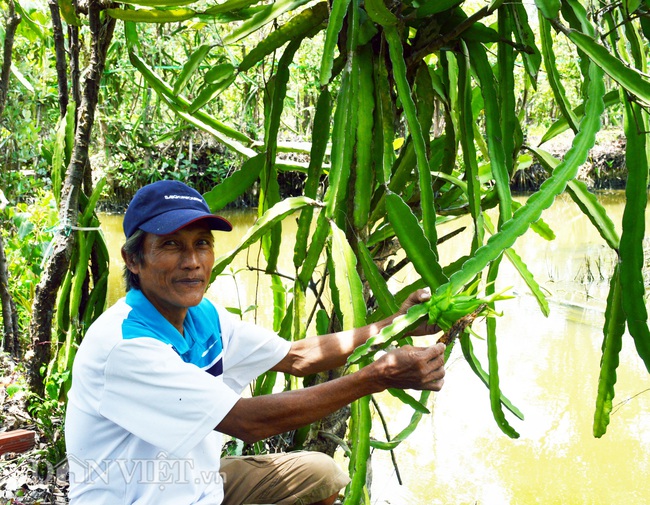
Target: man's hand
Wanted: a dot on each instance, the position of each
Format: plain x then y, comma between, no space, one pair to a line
409,367
415,298
259,417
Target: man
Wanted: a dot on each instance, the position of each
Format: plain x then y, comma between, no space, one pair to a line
158,377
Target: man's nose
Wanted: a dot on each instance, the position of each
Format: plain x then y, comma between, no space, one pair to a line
190,258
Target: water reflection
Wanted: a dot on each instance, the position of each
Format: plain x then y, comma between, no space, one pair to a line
548,369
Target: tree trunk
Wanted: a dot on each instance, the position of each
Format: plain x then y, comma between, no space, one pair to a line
63,241
11,341
13,20
324,435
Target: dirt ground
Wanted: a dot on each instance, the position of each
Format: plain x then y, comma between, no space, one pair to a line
26,478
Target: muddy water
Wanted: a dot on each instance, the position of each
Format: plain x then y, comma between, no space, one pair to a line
548,369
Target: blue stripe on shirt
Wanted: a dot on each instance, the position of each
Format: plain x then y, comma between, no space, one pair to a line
200,343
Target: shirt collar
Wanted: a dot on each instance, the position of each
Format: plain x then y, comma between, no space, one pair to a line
194,329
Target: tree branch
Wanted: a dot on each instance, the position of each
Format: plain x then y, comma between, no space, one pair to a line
60,56
13,20
442,40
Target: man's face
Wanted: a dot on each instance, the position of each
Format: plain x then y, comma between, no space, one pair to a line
176,270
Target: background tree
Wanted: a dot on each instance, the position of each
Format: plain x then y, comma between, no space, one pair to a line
10,342
70,183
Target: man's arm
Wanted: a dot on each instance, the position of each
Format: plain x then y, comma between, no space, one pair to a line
253,419
325,352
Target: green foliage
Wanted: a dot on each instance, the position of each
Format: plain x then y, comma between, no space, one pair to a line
49,414
26,234
213,167
31,108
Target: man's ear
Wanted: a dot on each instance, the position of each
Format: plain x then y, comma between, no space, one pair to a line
130,263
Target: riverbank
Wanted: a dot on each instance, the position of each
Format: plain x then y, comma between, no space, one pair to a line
604,169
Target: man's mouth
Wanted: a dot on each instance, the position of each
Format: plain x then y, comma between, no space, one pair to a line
190,281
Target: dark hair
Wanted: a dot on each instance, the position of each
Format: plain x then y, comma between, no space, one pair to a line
134,249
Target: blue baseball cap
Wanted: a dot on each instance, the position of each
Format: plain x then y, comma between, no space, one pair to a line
166,206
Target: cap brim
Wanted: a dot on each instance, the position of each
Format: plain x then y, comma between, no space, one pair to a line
169,222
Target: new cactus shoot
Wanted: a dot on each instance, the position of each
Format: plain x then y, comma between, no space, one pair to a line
451,313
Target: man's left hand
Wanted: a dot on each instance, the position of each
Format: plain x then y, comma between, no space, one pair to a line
415,298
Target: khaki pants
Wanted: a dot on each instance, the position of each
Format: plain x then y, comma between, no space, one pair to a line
295,478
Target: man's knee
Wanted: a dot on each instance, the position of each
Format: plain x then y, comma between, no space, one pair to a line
289,478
